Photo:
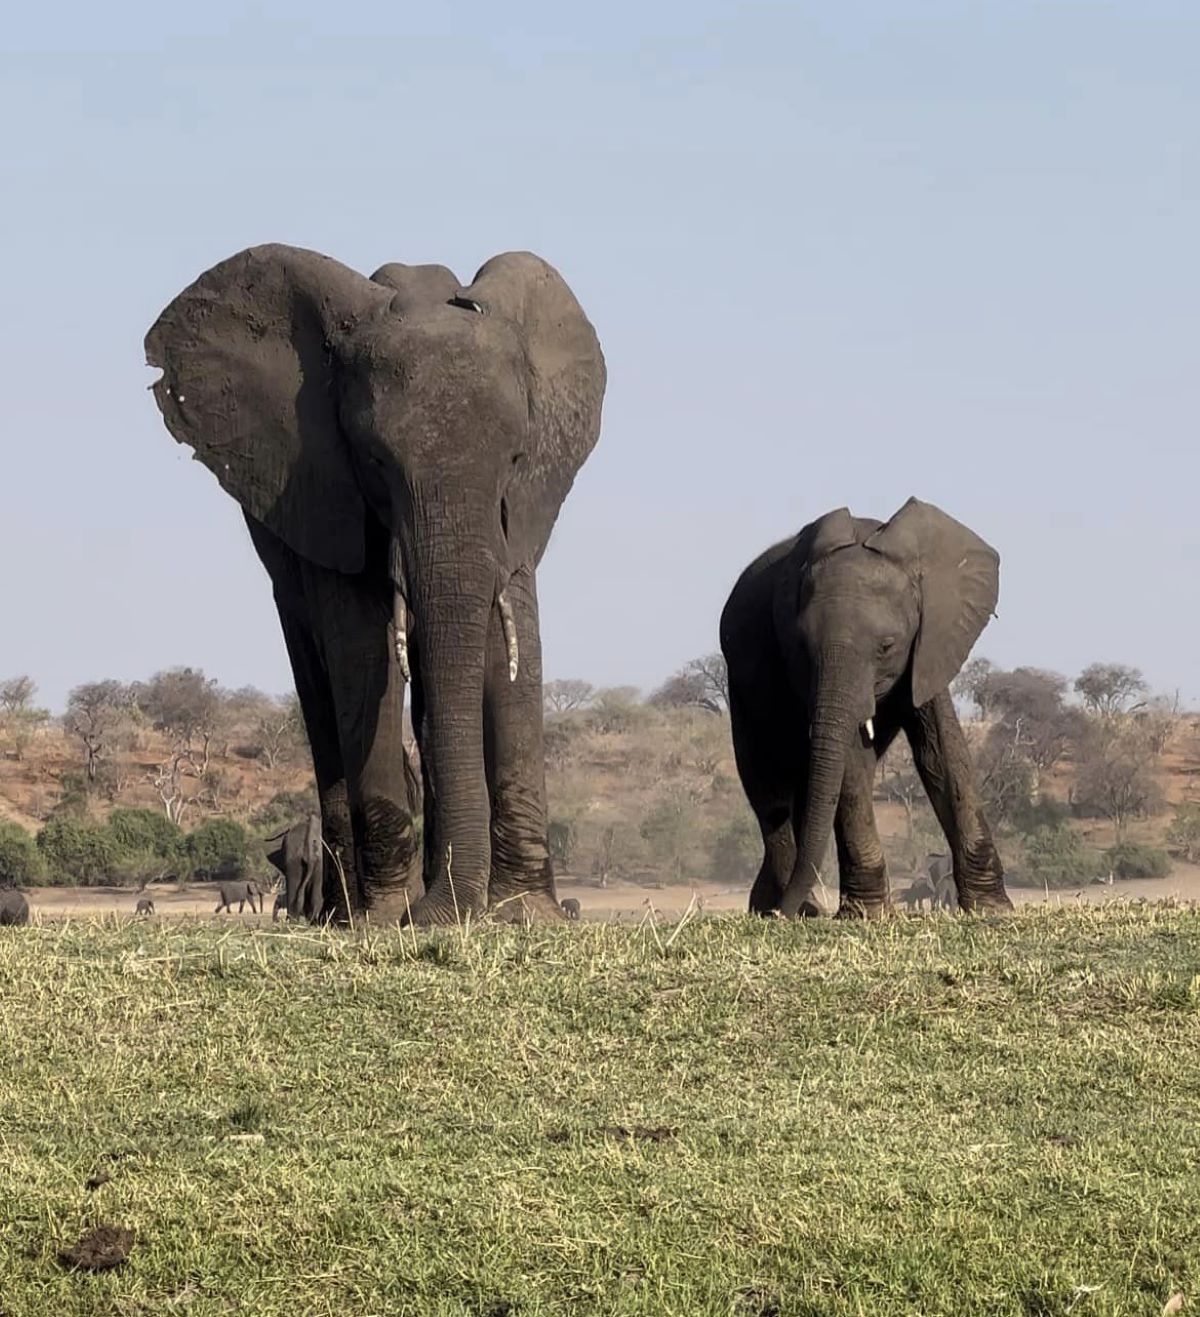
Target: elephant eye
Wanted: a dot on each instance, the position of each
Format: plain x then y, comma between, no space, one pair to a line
887,644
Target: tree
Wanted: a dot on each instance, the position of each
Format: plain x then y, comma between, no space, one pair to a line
702,683
218,844
1032,724
20,860
1057,857
567,694
667,829
280,728
614,709
971,684
737,850
1109,689
17,713
188,707
1183,836
95,712
77,850
1116,781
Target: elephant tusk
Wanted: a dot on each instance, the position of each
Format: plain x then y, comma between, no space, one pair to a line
510,634
400,626
869,728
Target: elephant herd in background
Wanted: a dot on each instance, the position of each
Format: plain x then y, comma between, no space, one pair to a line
400,446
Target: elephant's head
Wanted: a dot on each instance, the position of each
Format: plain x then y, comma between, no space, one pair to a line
343,412
864,611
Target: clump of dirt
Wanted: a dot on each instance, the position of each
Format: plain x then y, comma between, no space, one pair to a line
100,1249
641,1133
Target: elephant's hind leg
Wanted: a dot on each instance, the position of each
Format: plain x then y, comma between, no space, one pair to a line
521,883
861,864
769,778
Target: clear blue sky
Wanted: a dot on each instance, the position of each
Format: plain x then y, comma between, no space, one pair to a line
837,253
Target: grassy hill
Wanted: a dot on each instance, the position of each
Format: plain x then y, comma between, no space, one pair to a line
733,1117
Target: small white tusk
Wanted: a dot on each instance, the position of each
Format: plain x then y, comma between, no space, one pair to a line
400,625
869,727
510,634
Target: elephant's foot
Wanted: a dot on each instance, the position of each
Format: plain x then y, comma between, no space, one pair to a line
994,904
853,907
512,901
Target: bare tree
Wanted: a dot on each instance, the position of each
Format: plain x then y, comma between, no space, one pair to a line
17,713
280,728
95,712
1109,689
702,683
1117,781
567,694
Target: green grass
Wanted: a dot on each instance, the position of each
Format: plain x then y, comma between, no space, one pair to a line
926,1116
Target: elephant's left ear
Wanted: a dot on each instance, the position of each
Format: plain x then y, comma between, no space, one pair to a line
565,386
958,576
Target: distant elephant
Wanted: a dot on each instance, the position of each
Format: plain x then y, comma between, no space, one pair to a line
918,892
940,869
836,640
14,908
299,857
570,907
400,446
145,908
241,892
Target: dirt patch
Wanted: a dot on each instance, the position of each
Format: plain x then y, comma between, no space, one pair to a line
100,1249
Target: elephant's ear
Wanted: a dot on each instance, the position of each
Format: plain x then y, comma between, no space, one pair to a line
565,389
835,530
417,286
958,576
248,384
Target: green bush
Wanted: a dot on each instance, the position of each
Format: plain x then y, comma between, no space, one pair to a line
1132,859
1057,857
77,851
20,861
1046,812
282,810
145,831
218,844
1183,836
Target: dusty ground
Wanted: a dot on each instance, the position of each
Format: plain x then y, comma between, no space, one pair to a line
621,901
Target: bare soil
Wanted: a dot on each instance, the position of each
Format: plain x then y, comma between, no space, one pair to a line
620,902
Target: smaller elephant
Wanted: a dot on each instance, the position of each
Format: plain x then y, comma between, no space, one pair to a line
297,853
280,907
241,892
570,907
940,870
145,908
918,892
14,908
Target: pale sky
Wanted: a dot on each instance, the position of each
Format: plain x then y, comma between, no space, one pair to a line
837,253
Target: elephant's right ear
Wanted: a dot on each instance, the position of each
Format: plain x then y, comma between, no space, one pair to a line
835,530
248,384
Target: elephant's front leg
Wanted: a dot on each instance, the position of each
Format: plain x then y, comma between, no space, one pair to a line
368,687
943,761
521,885
861,865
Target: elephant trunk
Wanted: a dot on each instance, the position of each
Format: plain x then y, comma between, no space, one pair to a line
453,589
839,709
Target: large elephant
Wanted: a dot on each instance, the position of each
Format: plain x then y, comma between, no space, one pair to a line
836,640
401,447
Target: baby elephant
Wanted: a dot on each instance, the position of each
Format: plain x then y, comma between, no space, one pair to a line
570,907
14,908
241,893
145,908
